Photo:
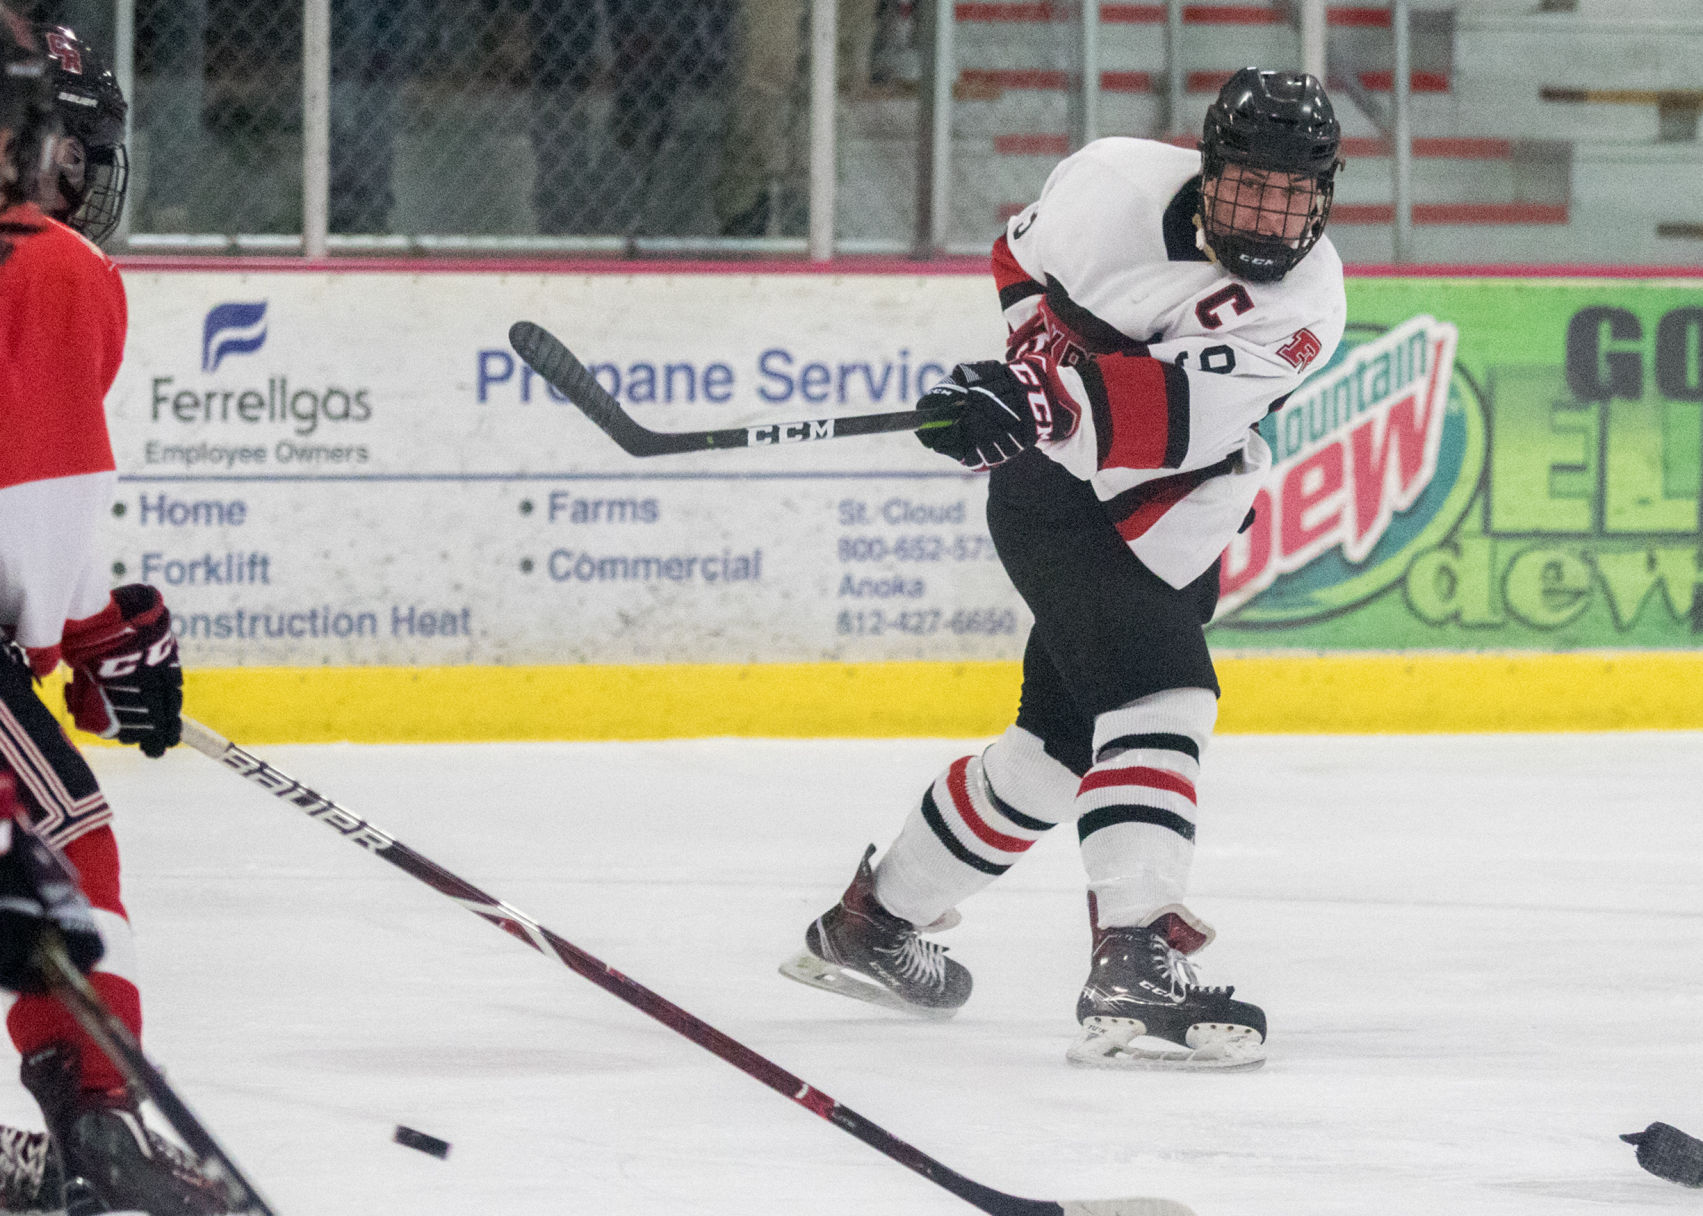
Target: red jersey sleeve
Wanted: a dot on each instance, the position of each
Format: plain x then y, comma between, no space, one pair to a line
62,324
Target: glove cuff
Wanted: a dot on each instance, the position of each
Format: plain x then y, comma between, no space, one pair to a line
133,608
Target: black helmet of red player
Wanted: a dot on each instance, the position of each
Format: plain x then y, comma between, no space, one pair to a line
26,107
1269,162
85,185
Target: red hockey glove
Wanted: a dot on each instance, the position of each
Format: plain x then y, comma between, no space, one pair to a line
1002,408
126,682
38,892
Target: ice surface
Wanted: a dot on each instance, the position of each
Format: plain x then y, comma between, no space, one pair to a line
1482,959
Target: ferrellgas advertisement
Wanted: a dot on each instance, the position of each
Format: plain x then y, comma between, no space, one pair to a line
354,468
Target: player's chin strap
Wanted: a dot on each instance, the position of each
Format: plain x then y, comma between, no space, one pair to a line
522,927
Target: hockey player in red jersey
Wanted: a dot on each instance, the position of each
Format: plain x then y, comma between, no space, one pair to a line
62,324
1160,303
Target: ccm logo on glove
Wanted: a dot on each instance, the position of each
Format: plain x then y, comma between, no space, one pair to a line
126,681
1003,410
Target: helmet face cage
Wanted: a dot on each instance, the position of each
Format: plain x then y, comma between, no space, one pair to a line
1280,130
98,203
92,108
1249,229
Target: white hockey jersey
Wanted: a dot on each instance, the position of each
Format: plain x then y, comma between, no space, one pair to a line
1158,362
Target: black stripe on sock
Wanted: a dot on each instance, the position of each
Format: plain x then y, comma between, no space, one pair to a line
1027,822
1110,816
931,816
1153,742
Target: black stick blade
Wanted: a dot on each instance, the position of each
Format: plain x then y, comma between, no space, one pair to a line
545,354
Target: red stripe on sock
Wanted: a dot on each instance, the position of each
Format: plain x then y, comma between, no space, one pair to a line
36,1021
1152,778
958,785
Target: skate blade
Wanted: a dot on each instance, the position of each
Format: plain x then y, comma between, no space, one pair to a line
806,968
1125,1043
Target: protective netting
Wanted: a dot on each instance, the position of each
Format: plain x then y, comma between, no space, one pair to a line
479,117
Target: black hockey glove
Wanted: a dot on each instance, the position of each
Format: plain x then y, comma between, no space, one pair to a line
999,413
38,891
126,682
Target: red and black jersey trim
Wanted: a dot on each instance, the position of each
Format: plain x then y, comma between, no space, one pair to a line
1013,281
1092,334
1141,411
1110,816
1137,509
931,816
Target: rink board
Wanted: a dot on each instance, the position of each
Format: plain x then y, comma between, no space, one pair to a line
372,522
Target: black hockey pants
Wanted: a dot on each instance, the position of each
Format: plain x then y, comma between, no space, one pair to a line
1108,630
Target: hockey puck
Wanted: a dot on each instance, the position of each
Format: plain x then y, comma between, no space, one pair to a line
430,1145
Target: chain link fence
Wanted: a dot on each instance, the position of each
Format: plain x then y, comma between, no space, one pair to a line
685,126
518,119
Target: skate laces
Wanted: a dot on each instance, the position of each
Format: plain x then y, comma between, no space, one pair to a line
917,960
1174,966
1181,972
23,1162
181,1162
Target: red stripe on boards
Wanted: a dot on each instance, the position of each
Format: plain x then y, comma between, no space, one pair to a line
958,784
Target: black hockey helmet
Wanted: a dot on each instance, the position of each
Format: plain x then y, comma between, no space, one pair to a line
26,106
86,183
1269,123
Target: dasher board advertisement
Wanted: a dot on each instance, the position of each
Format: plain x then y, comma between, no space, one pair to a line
352,468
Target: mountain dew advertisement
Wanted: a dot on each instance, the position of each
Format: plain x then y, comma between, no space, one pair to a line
1485,464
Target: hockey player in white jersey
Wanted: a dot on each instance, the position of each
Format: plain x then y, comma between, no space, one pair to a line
1160,303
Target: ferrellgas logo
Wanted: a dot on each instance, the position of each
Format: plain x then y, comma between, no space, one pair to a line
242,395
232,329
1376,458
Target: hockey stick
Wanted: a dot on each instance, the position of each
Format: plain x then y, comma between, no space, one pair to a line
523,928
563,372
113,1037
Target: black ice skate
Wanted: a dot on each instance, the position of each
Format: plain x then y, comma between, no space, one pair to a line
29,1172
859,949
110,1160
1142,1008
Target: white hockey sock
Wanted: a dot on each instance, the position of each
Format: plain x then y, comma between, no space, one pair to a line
974,822
1136,806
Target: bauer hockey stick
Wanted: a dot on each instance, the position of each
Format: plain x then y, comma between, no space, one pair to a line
546,355
113,1037
523,928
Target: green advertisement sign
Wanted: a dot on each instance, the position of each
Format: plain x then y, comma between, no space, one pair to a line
1486,464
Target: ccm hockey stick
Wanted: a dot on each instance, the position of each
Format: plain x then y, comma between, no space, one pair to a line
545,355
114,1038
523,928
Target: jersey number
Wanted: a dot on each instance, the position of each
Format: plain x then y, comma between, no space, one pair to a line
1220,359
